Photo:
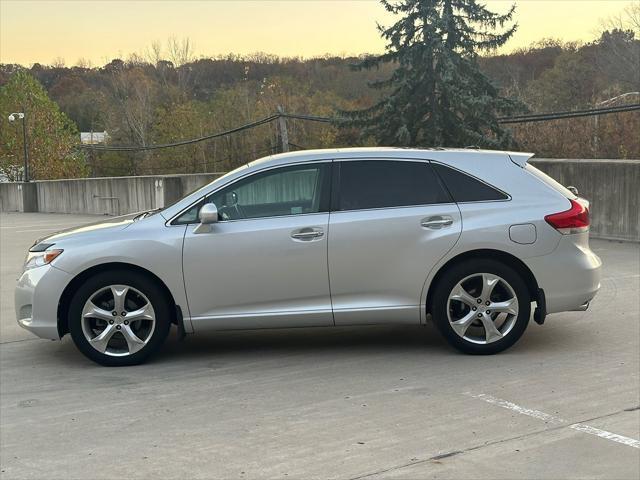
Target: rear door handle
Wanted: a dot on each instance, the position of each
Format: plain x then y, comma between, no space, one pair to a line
308,233
437,222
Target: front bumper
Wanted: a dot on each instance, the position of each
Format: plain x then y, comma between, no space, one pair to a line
36,298
569,276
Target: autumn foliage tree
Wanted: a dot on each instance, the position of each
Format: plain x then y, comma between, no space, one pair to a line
52,137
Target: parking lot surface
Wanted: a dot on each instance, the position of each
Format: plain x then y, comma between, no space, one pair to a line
347,403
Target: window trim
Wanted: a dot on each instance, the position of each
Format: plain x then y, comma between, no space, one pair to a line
335,194
446,165
173,221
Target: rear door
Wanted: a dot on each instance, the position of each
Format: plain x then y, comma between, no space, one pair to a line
391,221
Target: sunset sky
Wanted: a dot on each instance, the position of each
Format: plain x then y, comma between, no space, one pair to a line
42,31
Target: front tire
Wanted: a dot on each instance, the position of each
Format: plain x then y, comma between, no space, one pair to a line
119,318
481,306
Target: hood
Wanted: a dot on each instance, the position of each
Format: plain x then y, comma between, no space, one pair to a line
93,229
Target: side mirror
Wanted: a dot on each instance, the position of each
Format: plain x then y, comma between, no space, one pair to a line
208,214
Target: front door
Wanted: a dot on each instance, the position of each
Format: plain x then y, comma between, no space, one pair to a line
391,222
264,264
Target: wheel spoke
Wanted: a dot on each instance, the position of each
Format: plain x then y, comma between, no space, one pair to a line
129,306
134,342
461,326
507,306
491,332
461,295
119,295
101,341
91,310
489,282
144,313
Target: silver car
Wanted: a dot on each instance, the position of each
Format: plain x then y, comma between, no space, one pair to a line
476,241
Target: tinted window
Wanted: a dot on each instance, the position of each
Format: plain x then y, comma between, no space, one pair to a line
283,191
464,188
386,183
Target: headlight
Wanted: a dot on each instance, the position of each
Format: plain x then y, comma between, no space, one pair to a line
38,259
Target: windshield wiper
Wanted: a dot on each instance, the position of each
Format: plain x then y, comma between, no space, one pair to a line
142,215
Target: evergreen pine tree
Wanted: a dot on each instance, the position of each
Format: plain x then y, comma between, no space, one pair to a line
437,95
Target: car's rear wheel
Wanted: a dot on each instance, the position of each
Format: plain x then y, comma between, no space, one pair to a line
119,318
481,306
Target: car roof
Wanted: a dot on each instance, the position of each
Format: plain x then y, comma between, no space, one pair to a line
464,158
381,153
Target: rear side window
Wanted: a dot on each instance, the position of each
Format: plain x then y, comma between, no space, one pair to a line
367,184
464,188
550,181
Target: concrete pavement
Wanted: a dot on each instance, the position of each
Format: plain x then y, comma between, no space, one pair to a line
371,402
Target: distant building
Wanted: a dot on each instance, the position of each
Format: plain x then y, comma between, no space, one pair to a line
92,138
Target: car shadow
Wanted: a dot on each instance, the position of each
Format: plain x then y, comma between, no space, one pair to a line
402,339
300,340
424,342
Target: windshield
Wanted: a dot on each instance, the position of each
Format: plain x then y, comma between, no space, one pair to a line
204,187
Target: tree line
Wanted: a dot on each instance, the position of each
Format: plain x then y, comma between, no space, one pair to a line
167,94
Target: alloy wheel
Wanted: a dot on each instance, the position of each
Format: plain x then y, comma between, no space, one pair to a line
118,320
482,308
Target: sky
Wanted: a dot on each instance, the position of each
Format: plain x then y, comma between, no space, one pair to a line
45,31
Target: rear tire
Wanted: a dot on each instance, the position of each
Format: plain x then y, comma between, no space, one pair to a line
119,318
481,306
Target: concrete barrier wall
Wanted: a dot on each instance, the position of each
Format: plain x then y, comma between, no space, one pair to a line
110,195
11,197
114,196
612,186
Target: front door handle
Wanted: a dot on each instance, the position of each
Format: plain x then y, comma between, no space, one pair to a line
308,233
437,222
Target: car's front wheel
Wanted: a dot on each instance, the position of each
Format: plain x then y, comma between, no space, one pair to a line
119,318
481,306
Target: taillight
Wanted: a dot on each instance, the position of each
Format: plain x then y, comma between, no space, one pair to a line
574,220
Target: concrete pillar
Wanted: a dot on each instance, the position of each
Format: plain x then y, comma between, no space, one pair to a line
29,197
172,190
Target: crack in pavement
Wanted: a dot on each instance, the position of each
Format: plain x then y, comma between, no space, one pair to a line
487,444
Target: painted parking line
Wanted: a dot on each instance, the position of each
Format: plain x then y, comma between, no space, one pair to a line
580,427
39,224
604,434
50,229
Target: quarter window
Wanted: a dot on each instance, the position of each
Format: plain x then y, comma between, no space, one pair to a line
464,188
386,183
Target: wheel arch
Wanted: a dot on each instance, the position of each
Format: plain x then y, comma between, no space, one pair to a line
67,294
508,259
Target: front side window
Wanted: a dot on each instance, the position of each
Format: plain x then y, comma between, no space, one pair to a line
283,191
365,184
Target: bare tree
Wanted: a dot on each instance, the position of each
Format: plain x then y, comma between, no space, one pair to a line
180,53
620,39
134,94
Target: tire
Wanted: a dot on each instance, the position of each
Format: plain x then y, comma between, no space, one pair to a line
128,309
460,316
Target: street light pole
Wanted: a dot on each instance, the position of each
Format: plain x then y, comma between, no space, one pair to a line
26,149
23,117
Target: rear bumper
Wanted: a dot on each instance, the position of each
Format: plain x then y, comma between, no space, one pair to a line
569,276
36,298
